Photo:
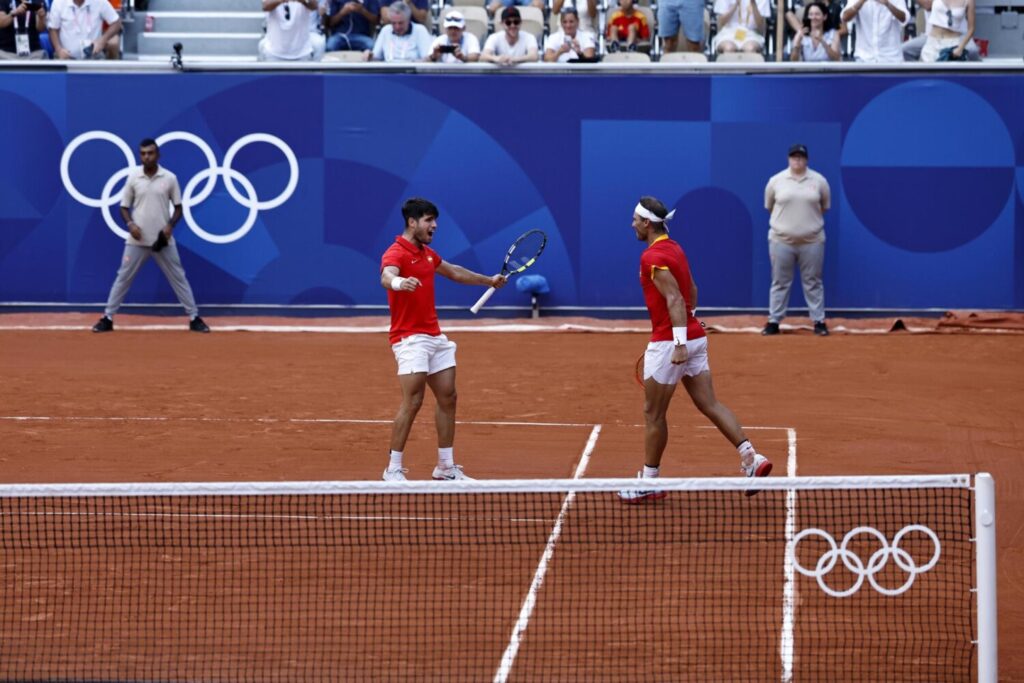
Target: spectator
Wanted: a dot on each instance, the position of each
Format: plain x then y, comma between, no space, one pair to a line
797,199
496,5
740,25
912,48
879,29
76,29
587,14
833,14
20,27
511,46
419,10
685,14
626,25
818,41
456,45
950,31
351,24
402,40
290,33
570,42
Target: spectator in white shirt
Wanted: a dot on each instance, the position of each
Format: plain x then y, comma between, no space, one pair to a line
741,25
401,40
290,32
912,48
585,9
879,29
76,29
456,45
950,30
570,42
817,41
511,46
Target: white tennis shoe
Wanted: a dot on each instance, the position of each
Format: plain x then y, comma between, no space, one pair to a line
637,496
395,474
453,473
760,466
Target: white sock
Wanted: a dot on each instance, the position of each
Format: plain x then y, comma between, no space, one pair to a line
651,472
396,460
445,458
747,452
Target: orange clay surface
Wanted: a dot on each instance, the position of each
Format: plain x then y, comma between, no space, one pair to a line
264,407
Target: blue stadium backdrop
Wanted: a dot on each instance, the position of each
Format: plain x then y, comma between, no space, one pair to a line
927,176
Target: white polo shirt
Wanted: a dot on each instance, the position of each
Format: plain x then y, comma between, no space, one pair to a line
289,33
150,199
470,46
78,26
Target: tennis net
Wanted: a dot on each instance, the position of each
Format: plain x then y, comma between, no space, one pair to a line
857,578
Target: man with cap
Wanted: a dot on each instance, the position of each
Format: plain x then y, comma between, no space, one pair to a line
455,46
797,198
511,46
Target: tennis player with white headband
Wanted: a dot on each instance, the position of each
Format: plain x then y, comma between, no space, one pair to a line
678,351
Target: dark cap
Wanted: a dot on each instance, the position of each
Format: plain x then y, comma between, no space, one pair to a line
798,149
510,13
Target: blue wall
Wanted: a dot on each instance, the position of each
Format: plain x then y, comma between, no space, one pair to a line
927,176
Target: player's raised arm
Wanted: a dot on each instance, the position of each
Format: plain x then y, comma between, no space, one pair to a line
389,279
465,276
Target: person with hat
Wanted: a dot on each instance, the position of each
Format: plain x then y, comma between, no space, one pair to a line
511,46
797,198
455,46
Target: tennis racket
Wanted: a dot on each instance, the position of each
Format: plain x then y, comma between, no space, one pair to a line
521,255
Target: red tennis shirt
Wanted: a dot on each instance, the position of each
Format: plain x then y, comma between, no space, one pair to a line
412,312
666,254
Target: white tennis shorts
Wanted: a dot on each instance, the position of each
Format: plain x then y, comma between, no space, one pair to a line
424,353
658,361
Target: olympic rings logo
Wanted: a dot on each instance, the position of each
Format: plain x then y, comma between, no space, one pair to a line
875,563
189,197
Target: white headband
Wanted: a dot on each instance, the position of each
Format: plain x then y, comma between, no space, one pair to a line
644,213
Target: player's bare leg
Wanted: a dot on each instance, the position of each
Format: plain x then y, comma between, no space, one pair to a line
413,386
702,391
656,400
443,385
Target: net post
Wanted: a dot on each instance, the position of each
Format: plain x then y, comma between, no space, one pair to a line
985,559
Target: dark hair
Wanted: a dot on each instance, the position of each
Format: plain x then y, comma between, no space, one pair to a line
417,208
569,9
510,13
655,207
827,25
149,142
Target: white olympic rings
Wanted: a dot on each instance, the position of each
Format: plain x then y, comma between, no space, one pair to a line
189,197
875,563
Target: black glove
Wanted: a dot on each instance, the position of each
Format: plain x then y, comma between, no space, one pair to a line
161,241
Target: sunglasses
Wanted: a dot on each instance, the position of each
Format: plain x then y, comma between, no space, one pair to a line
513,22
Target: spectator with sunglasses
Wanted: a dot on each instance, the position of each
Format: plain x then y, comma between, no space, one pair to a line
290,37
494,8
511,46
21,23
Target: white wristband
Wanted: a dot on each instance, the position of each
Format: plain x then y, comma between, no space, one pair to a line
679,336
396,283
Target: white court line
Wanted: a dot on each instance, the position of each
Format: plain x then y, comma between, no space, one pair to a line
268,420
509,658
786,644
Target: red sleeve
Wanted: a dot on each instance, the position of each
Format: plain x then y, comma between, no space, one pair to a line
391,257
645,30
652,259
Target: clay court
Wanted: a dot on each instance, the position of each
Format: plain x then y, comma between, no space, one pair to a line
168,406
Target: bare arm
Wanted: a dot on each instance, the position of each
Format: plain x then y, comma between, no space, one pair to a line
111,31
851,10
759,22
405,284
464,276
6,19
418,15
970,28
669,288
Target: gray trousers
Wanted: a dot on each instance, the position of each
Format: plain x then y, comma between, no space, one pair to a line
912,49
169,262
811,260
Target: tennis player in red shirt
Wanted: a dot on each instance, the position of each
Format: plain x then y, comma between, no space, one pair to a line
678,351
425,356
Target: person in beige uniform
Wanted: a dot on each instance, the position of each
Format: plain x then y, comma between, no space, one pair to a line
797,199
145,207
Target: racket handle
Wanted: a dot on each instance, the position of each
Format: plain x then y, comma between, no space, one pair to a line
482,300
